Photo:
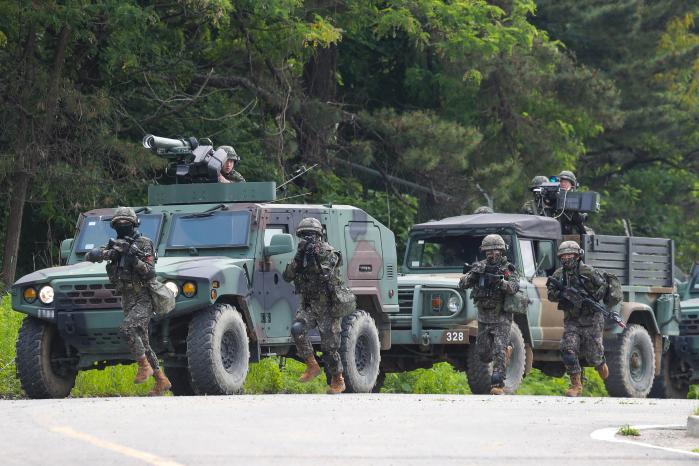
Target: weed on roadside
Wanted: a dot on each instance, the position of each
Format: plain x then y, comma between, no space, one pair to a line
627,430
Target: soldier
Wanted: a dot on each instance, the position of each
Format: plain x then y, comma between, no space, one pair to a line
492,279
484,209
131,266
571,222
535,206
583,327
315,273
228,173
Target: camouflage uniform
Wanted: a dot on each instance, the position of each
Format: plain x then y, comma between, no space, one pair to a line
532,206
131,282
232,176
494,324
313,280
583,328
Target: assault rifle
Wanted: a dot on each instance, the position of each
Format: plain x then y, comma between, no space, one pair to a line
580,297
488,276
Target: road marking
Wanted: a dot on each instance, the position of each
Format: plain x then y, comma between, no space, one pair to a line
115,447
608,434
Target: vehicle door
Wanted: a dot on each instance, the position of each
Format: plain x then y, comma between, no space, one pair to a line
547,319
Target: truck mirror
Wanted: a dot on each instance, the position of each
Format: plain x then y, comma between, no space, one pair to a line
280,243
66,246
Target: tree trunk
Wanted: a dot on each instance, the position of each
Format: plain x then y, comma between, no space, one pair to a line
19,184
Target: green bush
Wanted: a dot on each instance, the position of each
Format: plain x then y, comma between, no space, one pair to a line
441,378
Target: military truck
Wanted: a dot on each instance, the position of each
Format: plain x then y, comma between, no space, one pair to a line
438,322
221,248
680,361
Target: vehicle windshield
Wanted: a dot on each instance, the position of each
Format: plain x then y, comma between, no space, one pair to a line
219,229
442,251
694,284
97,229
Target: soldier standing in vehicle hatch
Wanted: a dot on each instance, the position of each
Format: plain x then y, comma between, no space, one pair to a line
131,266
492,279
314,272
583,327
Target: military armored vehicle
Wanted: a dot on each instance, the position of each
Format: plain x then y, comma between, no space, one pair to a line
221,249
680,361
438,322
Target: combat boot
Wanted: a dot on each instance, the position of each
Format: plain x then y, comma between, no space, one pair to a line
576,387
312,370
603,370
337,385
144,370
497,390
162,384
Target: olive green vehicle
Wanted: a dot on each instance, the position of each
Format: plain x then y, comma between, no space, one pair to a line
222,249
438,322
680,362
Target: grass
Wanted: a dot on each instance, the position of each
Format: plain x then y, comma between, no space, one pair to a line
275,375
696,411
628,431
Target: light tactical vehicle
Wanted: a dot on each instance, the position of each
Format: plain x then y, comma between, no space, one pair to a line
680,363
438,322
222,248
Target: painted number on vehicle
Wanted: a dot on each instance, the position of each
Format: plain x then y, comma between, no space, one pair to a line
454,337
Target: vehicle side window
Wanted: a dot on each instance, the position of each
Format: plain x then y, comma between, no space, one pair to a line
272,230
527,249
545,255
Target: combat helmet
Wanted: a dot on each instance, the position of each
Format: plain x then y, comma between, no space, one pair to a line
493,242
125,213
309,225
568,175
230,153
537,181
569,247
484,209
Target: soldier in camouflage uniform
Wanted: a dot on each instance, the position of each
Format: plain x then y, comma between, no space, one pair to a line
535,206
583,327
315,273
571,222
492,279
228,173
131,266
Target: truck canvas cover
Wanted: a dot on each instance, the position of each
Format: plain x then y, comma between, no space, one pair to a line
527,226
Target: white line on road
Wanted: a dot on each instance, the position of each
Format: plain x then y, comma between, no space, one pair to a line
115,447
608,434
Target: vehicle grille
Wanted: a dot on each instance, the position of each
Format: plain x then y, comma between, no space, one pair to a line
690,325
92,296
405,300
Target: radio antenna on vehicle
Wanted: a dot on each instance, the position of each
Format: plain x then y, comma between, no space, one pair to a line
302,170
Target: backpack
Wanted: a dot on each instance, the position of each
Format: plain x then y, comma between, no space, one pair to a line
614,294
163,299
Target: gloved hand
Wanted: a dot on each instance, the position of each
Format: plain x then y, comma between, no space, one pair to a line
95,255
134,250
462,282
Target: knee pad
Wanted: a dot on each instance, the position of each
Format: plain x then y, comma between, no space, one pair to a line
569,358
297,329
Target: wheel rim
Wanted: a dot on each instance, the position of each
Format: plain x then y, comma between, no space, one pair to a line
637,364
362,355
229,351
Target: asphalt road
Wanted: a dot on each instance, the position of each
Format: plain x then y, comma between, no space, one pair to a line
346,429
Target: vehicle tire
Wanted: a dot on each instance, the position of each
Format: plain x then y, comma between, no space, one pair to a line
38,345
180,380
479,373
217,351
360,352
631,361
667,386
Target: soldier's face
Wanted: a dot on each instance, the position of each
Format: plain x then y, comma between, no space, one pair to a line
228,166
493,255
567,257
566,185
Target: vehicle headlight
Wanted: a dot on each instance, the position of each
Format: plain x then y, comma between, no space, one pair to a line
189,289
46,294
29,294
454,304
172,286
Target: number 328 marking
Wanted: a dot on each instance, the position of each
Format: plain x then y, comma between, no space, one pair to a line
454,337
